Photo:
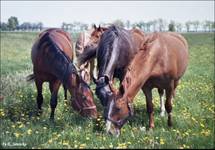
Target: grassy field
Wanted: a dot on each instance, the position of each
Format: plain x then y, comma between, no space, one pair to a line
193,109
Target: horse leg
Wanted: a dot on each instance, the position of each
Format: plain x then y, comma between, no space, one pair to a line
92,67
162,106
65,92
39,85
168,104
175,85
54,87
149,106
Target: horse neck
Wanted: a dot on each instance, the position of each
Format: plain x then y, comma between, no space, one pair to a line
108,61
137,74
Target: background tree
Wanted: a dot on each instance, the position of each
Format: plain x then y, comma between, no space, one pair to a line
188,24
13,23
119,23
161,24
196,24
128,24
154,25
4,26
178,27
148,25
172,26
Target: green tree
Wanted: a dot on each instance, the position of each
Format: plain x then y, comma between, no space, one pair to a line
13,23
119,23
172,26
196,24
188,24
4,26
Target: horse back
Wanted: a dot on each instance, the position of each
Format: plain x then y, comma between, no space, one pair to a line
61,38
171,53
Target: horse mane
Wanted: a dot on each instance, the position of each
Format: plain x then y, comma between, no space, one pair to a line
106,45
59,63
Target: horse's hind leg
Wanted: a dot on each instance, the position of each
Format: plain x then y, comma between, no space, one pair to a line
162,106
168,104
39,84
54,87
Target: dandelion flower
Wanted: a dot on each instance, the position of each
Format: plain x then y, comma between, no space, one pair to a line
29,131
162,141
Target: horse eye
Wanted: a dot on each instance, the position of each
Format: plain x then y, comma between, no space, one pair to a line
117,109
84,97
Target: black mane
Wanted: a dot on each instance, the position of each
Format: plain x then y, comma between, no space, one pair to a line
105,47
57,61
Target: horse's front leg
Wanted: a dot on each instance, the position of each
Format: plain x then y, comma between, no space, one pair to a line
54,87
149,105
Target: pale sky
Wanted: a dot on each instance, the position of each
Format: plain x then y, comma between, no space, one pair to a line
53,13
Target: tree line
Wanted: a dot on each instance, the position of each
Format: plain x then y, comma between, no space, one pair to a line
147,26
13,25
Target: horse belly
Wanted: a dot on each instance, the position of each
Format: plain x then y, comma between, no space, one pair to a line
161,82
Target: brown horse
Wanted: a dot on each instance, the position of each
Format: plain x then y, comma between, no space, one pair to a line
160,63
52,55
116,49
87,41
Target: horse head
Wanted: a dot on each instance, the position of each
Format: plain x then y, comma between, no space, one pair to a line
119,111
82,97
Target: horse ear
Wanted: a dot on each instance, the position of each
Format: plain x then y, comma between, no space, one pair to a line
94,26
99,28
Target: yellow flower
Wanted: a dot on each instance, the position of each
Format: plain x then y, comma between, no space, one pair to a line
65,143
82,146
21,125
162,141
87,138
202,125
2,114
50,141
111,145
29,131
17,134
13,126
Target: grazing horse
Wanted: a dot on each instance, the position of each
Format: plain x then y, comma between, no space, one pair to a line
160,63
115,50
52,55
85,42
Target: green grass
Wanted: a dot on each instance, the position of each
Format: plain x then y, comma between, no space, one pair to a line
193,109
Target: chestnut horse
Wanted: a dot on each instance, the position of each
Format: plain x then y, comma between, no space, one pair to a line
52,55
115,50
86,42
160,63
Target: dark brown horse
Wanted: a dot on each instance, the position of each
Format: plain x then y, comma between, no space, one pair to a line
86,42
52,55
115,50
160,63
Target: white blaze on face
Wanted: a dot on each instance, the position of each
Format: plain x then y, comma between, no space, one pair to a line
86,38
162,106
108,122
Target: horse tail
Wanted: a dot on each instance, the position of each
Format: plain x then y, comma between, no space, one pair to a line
87,55
30,78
